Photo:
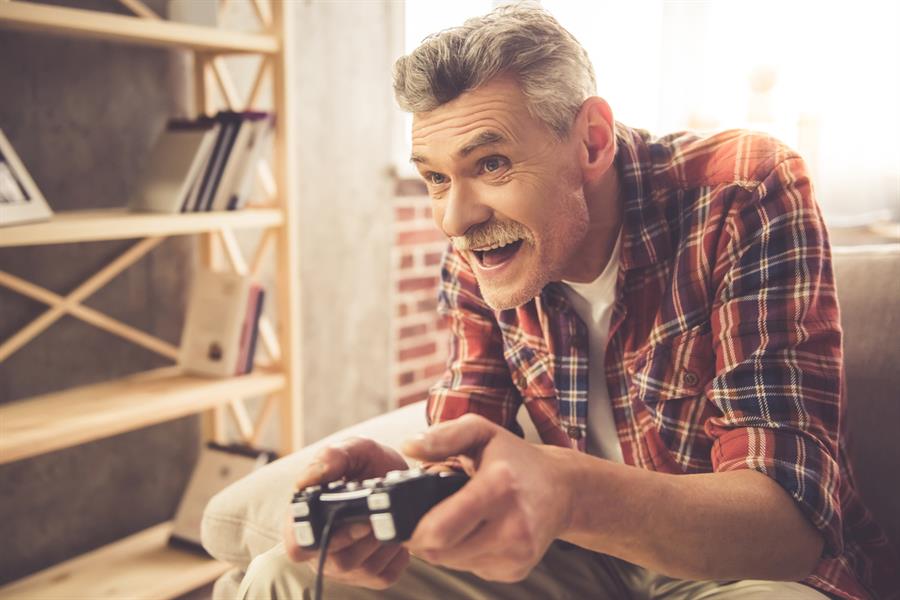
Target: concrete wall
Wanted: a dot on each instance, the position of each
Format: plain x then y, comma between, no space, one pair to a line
346,114
82,115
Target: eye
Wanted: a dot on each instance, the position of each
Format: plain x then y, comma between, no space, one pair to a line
435,178
492,164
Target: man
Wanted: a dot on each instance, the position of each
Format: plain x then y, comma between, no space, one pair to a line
665,312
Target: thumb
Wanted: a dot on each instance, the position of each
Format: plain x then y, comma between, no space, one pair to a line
466,435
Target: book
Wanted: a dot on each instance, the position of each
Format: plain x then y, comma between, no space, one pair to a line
249,331
236,160
217,467
173,165
230,125
217,311
261,133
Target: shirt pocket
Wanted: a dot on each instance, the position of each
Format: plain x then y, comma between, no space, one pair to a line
530,369
677,368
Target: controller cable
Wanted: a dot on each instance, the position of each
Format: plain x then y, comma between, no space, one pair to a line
323,549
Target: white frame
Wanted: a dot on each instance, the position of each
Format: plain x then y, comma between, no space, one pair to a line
36,209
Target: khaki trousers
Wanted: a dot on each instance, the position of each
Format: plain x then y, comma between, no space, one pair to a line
565,572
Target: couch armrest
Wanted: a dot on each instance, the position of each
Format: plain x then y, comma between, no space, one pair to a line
245,519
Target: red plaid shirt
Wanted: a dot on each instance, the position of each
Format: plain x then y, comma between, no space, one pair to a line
725,342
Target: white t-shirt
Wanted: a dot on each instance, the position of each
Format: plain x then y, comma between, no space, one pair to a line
594,304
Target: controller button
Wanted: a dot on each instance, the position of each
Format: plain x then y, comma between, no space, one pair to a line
303,534
383,527
395,475
312,489
415,472
334,485
370,483
380,501
301,509
351,485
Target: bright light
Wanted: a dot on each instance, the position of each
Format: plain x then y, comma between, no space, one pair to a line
824,77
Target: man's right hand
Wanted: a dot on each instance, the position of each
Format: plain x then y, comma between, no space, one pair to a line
355,557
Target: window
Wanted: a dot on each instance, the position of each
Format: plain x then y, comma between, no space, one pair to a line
824,77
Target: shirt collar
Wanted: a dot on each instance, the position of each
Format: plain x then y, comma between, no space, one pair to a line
645,230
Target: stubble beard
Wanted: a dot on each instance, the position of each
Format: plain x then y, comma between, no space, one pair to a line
549,255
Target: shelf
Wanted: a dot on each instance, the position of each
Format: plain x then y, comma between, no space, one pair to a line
53,421
73,22
117,224
141,566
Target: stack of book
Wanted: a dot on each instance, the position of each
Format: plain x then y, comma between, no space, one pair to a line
203,165
222,324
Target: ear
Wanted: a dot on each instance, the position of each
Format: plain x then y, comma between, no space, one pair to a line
596,138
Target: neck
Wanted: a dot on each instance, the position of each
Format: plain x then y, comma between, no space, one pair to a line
605,213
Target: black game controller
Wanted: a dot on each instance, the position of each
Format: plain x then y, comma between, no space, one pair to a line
393,504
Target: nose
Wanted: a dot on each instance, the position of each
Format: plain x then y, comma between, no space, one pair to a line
462,211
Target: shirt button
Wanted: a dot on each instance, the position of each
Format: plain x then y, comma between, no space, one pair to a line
690,378
574,432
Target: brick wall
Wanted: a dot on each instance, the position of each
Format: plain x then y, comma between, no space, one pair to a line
419,336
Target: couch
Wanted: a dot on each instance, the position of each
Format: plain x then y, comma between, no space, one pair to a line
245,519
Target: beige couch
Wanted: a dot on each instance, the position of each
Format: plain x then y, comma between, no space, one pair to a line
244,520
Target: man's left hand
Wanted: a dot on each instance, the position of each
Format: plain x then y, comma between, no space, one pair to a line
500,524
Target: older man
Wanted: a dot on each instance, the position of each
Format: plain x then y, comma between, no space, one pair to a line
664,310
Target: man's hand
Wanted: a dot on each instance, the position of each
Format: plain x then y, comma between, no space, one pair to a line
354,555
500,524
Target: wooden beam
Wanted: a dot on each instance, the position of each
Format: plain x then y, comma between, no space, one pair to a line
92,284
225,83
89,315
265,66
263,13
241,419
288,249
262,250
140,9
76,22
265,413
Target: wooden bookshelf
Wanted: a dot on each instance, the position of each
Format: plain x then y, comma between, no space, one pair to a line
73,22
143,565
77,415
139,567
117,224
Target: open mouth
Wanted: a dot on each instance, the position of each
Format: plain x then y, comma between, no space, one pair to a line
494,257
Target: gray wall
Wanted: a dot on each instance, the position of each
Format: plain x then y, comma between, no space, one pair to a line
82,115
344,52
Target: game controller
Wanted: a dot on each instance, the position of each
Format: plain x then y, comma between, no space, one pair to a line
393,504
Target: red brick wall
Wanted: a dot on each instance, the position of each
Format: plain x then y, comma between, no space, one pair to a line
419,337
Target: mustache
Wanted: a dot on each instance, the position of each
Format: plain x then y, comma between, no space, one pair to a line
490,234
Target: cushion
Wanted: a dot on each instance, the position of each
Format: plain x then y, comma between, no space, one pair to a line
868,284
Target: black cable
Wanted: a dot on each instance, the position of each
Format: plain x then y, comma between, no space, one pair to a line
323,550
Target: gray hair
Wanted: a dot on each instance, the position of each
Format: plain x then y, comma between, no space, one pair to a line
522,40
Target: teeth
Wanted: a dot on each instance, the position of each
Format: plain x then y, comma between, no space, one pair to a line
496,245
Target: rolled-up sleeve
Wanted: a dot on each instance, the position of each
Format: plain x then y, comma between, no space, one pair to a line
477,379
777,340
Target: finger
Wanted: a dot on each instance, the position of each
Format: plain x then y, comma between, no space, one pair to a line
465,435
395,568
392,571
351,557
457,516
343,537
381,558
347,458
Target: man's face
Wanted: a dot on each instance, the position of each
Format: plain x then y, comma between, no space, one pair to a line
504,189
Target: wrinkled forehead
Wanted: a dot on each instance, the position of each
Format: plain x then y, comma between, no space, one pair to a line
498,106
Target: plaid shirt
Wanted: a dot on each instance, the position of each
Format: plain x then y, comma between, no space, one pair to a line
725,342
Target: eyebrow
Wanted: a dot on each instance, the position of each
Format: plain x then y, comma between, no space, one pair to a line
485,138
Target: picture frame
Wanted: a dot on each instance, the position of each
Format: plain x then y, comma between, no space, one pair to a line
20,199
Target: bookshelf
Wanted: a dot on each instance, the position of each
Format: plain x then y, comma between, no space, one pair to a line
143,565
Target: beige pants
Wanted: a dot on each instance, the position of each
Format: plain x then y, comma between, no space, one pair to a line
564,572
